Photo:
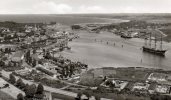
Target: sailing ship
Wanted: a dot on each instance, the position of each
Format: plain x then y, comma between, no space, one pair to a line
154,50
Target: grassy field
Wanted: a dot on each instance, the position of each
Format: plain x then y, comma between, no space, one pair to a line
113,96
56,96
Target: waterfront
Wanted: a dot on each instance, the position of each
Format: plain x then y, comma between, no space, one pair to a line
100,54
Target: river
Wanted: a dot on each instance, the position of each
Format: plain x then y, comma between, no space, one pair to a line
99,54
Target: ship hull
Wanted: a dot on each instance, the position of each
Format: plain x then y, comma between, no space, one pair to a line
154,51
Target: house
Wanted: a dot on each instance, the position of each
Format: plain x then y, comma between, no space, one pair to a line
118,84
1,39
164,89
18,57
21,34
51,67
12,47
36,57
140,87
28,40
157,77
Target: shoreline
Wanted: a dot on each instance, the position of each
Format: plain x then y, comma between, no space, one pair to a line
66,20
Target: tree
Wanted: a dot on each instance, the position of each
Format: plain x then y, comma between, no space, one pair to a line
101,89
15,64
97,97
27,56
20,83
9,64
48,55
15,35
20,96
26,87
34,63
44,51
88,95
112,86
12,79
79,95
30,91
29,60
2,63
67,71
71,70
76,27
34,51
40,89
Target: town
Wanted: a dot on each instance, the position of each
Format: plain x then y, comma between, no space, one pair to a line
32,68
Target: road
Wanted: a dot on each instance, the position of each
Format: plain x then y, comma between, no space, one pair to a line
47,88
12,90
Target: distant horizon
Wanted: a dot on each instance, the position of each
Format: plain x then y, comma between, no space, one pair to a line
83,13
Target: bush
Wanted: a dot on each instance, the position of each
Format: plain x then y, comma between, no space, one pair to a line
20,83
30,91
88,94
40,89
79,95
12,79
20,96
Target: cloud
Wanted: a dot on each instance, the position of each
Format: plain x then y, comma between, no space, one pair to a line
91,9
51,8
83,6
34,7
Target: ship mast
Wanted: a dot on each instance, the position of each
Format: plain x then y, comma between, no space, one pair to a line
150,40
155,41
161,43
145,42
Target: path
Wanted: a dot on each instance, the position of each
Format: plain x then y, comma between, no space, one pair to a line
12,90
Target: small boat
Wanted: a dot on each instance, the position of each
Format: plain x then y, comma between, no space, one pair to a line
125,36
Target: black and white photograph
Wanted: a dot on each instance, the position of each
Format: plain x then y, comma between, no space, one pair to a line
85,49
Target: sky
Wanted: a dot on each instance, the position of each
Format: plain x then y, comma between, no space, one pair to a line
83,6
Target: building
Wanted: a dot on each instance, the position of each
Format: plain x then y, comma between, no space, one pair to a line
163,89
140,87
118,84
18,57
157,77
